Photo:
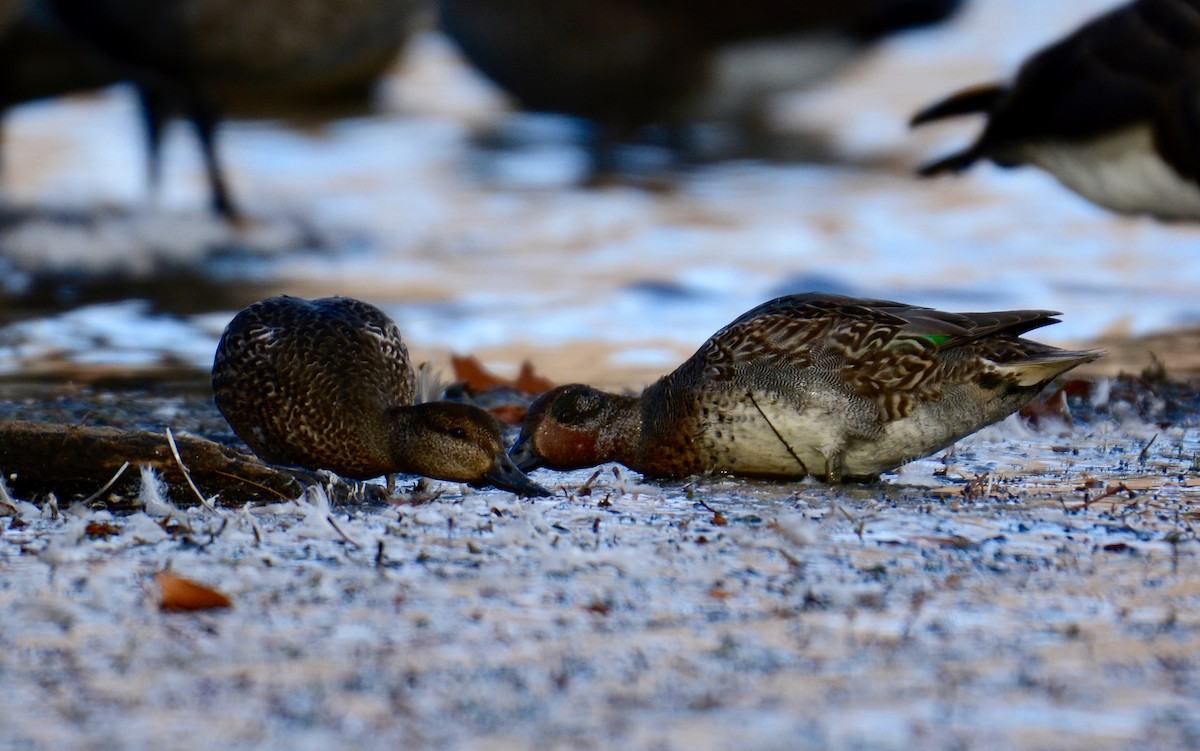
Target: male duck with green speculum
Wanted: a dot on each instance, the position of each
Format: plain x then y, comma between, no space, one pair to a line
812,384
326,384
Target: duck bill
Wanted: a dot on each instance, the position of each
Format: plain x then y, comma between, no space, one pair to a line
506,476
524,456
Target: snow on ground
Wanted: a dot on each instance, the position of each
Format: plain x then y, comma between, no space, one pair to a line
724,615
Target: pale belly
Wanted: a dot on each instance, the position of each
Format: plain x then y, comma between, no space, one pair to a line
1121,172
832,437
744,75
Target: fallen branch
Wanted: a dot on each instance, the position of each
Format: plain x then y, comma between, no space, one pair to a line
70,461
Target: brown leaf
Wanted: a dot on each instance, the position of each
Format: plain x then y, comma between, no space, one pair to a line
477,378
529,382
1051,408
184,594
101,530
473,375
509,414
1077,387
599,607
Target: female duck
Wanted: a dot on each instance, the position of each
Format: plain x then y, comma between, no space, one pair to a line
815,384
326,384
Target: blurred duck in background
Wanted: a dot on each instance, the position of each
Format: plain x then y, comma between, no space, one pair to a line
1112,111
40,59
203,60
10,11
626,64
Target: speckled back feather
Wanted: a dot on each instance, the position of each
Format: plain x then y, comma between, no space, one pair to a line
893,354
309,383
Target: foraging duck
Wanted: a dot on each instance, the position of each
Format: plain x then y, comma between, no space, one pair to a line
1108,110
204,59
810,384
629,63
326,384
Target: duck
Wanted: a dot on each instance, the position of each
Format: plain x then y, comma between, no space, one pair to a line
1108,111
326,384
626,64
821,385
205,60
39,59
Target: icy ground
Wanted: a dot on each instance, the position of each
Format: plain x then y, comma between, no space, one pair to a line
1025,610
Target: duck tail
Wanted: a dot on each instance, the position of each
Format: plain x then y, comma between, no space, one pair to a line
954,163
1044,367
970,101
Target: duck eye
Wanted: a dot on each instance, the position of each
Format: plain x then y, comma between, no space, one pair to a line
457,432
567,415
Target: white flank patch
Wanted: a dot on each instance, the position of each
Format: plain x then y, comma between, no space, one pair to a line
746,74
1122,172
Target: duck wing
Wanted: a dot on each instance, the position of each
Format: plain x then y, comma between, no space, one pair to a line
890,353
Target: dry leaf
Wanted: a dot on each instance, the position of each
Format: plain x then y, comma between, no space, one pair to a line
473,375
101,530
477,379
597,607
531,383
1051,408
184,594
509,414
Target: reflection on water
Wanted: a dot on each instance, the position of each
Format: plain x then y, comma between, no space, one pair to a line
495,252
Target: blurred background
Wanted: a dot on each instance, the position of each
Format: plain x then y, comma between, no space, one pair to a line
482,230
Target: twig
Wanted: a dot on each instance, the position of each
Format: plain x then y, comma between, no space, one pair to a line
6,499
1145,453
107,485
187,475
254,484
253,525
342,532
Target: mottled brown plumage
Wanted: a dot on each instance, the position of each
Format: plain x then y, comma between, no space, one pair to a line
326,384
1110,110
826,385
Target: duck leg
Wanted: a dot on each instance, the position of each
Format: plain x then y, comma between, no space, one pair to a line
833,467
154,106
204,119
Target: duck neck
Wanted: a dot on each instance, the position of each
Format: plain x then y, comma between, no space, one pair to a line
622,438
402,440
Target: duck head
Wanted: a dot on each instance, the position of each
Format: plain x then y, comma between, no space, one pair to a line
460,443
564,429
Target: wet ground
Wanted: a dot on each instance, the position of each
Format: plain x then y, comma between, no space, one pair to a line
1037,586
